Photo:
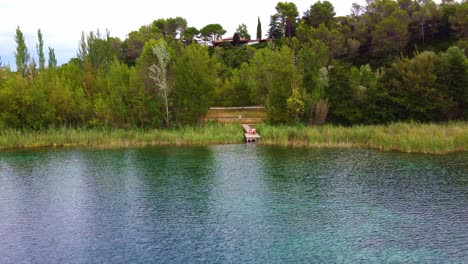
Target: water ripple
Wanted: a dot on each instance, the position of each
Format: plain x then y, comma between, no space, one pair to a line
232,204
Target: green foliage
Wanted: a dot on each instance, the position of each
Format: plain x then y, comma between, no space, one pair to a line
159,71
312,57
96,50
390,35
194,77
320,13
275,76
287,15
333,39
411,85
233,57
189,34
22,54
296,107
377,73
243,32
133,46
275,31
344,107
259,29
52,58
236,90
212,32
452,81
23,105
459,20
40,50
171,27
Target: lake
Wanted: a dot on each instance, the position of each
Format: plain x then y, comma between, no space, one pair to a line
232,204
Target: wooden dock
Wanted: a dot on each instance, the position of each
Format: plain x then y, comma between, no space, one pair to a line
249,135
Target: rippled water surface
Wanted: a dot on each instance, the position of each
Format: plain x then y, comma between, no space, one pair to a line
232,204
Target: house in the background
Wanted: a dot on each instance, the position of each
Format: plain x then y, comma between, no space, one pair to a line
240,41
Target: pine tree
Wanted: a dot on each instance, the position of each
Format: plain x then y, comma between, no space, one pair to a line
275,31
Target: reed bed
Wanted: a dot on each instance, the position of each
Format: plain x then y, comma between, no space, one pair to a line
405,137
210,133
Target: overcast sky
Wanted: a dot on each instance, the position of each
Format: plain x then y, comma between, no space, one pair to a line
62,21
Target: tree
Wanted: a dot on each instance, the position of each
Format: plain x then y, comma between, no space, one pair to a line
274,77
40,50
133,45
412,87
343,106
158,73
52,59
321,13
96,49
194,80
171,27
356,10
233,58
22,54
287,14
390,36
459,21
236,39
176,26
419,17
259,29
189,34
312,57
452,81
295,104
153,98
275,30
243,32
212,32
242,85
332,38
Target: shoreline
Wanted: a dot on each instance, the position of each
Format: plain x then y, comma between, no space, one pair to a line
445,138
430,138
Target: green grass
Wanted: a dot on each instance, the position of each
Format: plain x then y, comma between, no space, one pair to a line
405,137
210,133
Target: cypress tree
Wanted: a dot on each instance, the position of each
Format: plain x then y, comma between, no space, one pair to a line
259,29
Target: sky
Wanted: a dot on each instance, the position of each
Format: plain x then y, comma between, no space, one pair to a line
62,22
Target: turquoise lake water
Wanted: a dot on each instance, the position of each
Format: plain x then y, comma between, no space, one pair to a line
232,204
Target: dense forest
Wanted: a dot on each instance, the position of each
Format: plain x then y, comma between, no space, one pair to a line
387,61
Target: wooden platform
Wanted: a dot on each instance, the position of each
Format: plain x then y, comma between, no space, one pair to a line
243,115
248,136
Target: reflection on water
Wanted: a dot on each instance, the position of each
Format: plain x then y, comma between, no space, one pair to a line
232,204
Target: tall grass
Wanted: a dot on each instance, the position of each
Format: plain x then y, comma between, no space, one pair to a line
210,133
405,137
